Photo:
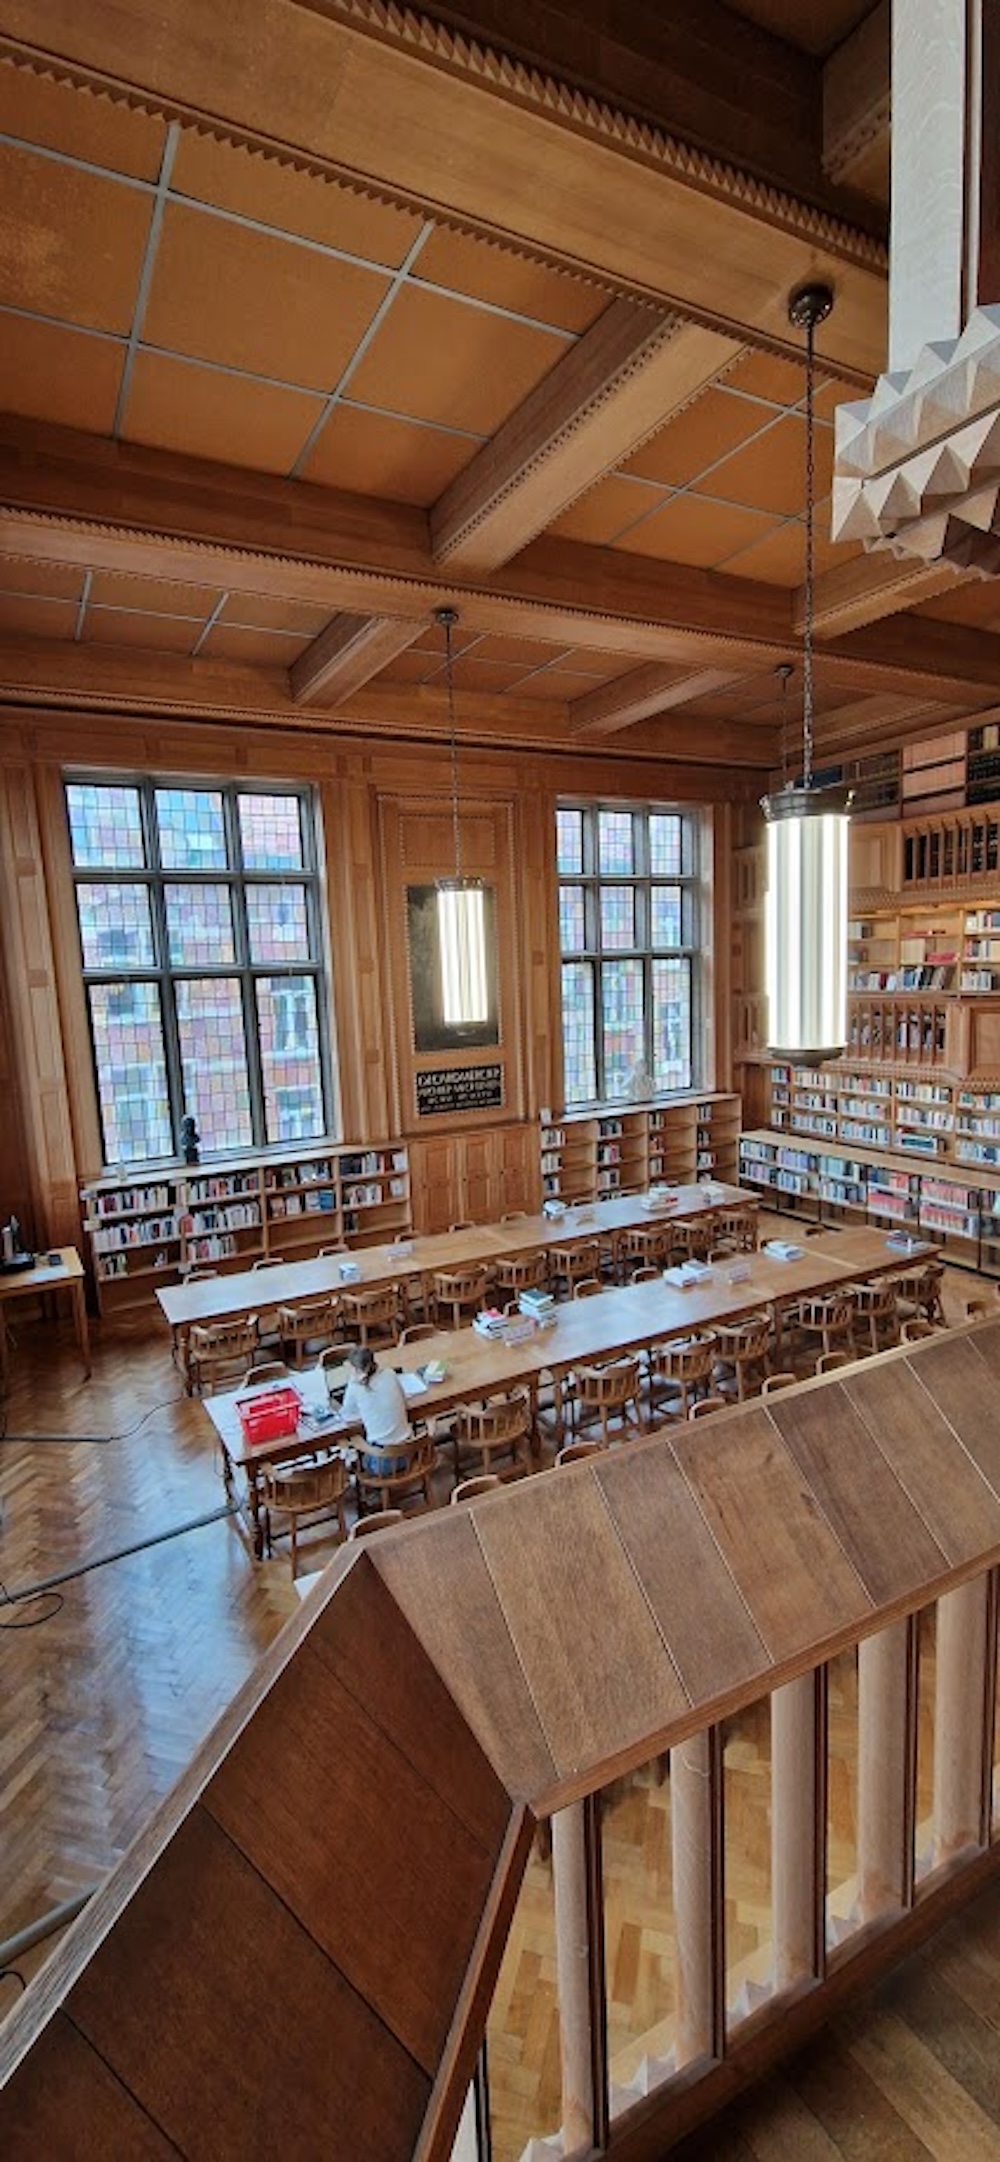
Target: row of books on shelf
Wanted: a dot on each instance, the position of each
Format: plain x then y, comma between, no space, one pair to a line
902,1196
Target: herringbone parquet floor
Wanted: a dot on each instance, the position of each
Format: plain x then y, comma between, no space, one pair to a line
105,1702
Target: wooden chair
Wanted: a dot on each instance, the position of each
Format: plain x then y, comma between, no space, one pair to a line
705,1406
315,1322
199,1276
646,1275
684,1369
587,1286
412,1465
465,1225
608,1394
744,1347
828,1319
217,1349
773,1382
829,1361
269,1370
417,1331
374,1315
576,1452
918,1293
457,1294
647,1246
568,1264
333,1359
513,1273
333,1253
914,1332
301,1492
493,1436
876,1313
734,1231
379,1520
515,1216
483,1482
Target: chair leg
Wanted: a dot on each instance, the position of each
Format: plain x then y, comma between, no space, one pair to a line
295,1547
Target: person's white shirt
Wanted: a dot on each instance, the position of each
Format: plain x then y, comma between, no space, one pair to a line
380,1406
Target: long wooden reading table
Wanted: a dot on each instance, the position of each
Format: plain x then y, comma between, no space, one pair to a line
414,1260
619,1320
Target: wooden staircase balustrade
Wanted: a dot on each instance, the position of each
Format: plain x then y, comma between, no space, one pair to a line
454,1663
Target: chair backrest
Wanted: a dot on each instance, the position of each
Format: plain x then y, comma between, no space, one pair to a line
483,1482
501,1420
772,1382
464,1284
466,1224
829,1310
199,1276
576,1451
514,1216
271,1261
647,1275
575,1261
269,1370
309,1318
913,1332
705,1406
304,1486
691,1358
587,1286
380,1303
828,1361
610,1385
379,1520
740,1225
418,1331
329,1253
747,1338
223,1339
877,1297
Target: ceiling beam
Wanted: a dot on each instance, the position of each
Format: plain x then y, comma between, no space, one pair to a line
871,587
36,672
857,98
365,93
628,375
346,655
643,693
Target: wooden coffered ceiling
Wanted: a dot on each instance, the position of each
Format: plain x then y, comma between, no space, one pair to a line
317,315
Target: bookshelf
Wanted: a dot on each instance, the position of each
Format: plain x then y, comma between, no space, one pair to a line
586,1156
143,1231
960,1208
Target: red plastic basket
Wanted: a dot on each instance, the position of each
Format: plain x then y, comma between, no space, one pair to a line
269,1418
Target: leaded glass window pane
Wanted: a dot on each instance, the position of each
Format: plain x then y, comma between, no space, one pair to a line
666,840
271,833
616,848
665,916
572,919
289,1050
569,842
191,830
618,918
278,923
116,930
578,1031
199,926
672,1066
214,1059
622,1016
126,1025
105,825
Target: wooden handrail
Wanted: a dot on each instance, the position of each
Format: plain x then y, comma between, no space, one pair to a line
377,1781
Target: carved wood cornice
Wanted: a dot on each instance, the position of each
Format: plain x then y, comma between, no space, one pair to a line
544,92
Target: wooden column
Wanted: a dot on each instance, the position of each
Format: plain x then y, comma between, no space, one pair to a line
959,1720
885,1814
569,1878
795,1846
692,1818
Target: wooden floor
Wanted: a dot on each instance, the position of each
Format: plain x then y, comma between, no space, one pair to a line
105,1701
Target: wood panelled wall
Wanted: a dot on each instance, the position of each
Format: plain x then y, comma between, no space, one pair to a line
386,822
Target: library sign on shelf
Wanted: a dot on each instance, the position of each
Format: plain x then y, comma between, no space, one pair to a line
459,1088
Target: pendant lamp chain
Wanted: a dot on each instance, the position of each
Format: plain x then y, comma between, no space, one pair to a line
447,618
807,634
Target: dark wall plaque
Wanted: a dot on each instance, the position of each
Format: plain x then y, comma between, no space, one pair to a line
459,1088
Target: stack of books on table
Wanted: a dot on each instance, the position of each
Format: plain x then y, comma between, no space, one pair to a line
539,1305
686,1273
491,1322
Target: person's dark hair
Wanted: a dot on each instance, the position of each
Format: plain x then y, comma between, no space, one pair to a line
363,1361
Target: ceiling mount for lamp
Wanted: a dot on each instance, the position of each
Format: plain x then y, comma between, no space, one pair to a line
806,919
461,916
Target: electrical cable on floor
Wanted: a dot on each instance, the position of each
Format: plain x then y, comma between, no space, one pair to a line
48,1584
54,1602
125,1435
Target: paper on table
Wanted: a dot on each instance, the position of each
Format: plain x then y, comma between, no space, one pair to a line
413,1384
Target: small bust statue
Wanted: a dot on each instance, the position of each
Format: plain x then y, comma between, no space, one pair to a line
190,1138
640,1085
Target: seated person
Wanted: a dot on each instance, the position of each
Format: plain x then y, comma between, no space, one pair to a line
375,1398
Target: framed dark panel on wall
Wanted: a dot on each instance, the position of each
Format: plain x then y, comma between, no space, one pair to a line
431,1031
